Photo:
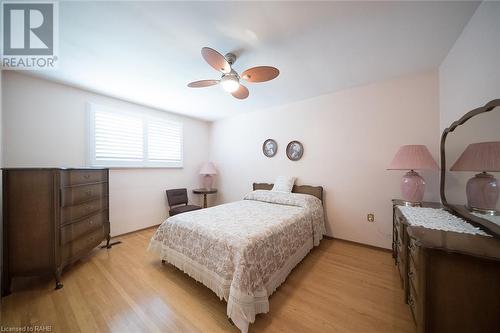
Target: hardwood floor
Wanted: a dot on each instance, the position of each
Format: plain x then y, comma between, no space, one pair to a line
338,287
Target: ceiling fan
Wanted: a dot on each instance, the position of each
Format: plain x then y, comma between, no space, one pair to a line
230,80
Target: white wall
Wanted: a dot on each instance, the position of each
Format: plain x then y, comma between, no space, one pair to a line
349,138
44,125
469,76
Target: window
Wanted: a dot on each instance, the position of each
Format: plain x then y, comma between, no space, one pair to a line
125,139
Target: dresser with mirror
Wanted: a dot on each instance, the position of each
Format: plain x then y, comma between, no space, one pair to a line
448,253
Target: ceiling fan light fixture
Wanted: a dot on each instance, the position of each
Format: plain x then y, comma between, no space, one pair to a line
230,80
230,83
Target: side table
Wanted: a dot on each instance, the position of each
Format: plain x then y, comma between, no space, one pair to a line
205,191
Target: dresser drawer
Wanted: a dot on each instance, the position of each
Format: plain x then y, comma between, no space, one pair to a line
82,245
78,177
71,213
75,230
84,193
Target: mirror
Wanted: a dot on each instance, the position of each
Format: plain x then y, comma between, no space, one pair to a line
470,162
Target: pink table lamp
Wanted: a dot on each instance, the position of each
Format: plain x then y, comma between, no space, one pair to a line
482,189
413,157
208,170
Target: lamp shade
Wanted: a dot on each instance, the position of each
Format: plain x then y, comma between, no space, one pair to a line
413,157
482,156
208,169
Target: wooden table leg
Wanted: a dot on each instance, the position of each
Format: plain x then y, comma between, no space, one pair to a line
204,200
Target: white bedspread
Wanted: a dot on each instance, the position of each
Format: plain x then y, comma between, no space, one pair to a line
243,250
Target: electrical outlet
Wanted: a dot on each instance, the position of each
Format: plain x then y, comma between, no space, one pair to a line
370,217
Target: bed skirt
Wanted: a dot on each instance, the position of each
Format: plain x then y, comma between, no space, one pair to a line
241,307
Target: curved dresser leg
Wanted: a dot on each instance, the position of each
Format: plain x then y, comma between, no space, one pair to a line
108,238
59,284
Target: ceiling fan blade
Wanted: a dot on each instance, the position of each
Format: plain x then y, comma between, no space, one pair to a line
241,93
216,60
260,74
202,83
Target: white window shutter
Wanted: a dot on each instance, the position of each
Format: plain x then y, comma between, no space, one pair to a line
120,139
164,141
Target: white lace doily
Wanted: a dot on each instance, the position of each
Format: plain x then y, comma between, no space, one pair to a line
439,219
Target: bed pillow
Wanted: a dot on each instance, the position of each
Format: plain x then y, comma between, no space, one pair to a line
283,184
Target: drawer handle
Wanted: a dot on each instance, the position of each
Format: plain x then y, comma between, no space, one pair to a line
88,192
86,176
411,275
91,222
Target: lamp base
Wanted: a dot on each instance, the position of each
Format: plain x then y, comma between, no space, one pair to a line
489,212
412,188
411,204
208,181
482,193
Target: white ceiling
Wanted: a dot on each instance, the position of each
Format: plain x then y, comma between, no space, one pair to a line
146,52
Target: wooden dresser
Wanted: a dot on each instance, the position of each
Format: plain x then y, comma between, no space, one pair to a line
451,279
51,218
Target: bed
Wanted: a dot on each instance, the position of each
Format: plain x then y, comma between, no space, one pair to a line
244,250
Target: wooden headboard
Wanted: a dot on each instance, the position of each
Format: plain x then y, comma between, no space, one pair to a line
316,191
